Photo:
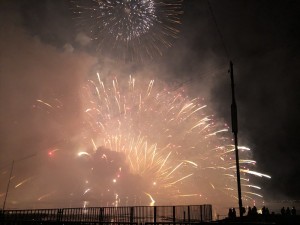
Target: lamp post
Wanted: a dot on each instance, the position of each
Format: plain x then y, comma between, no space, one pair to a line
7,188
10,175
234,123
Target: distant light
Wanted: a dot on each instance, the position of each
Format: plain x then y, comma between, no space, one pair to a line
51,152
114,180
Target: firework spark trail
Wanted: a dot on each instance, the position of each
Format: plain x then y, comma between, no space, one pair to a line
166,138
45,195
151,198
132,29
23,182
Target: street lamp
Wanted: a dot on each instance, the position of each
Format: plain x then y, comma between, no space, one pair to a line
234,122
11,172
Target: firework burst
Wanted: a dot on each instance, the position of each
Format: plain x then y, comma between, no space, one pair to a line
129,29
167,139
140,142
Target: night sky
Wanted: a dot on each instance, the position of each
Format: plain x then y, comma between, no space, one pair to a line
260,37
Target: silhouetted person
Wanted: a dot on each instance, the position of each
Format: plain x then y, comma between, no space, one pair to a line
254,211
267,211
282,211
249,211
288,211
230,214
263,210
243,210
233,213
293,211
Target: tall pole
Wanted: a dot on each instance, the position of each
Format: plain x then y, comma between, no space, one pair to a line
234,123
7,188
11,172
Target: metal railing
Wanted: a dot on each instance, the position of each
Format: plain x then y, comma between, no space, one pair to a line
112,215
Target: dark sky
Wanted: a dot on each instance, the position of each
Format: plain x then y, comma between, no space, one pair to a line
260,37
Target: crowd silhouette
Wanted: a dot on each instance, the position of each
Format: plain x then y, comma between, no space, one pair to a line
252,212
288,211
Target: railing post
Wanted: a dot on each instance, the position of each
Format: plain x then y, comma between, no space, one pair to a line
131,214
154,215
210,219
59,215
174,212
201,210
189,215
101,214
